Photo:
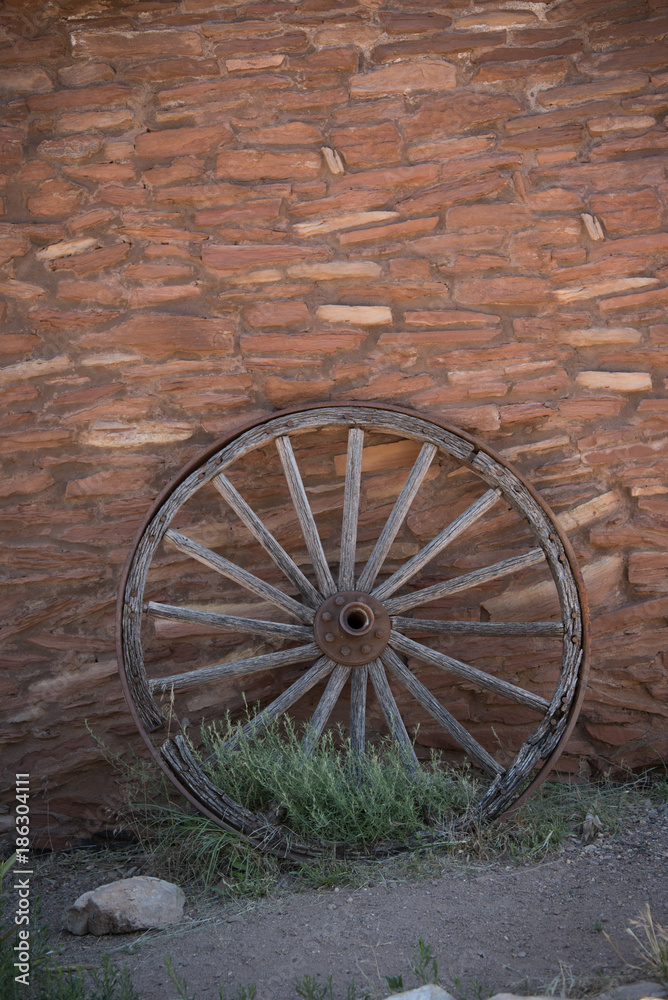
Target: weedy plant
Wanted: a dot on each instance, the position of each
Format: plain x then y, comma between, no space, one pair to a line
332,794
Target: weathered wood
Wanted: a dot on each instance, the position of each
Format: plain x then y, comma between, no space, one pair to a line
464,582
477,753
305,516
351,503
392,715
236,668
246,514
425,626
486,681
396,518
554,724
437,544
229,623
320,669
358,685
238,575
325,706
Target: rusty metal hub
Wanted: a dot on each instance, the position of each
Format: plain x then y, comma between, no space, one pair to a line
352,628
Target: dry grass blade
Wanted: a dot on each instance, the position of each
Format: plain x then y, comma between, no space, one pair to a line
651,942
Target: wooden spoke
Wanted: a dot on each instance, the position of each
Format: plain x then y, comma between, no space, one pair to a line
351,503
358,684
238,575
267,540
330,696
235,668
396,518
479,677
229,623
305,516
301,686
422,694
398,604
421,558
391,712
423,626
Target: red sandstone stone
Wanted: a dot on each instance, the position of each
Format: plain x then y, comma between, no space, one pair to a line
289,134
495,215
287,42
54,198
71,149
515,54
93,260
164,335
395,23
25,80
103,172
460,113
289,392
254,212
641,58
278,314
551,72
90,120
444,44
402,78
32,51
450,317
256,164
632,83
507,291
144,44
606,176
162,70
366,146
167,144
13,246
83,75
628,211
184,168
653,141
305,345
86,97
443,195
229,259
204,195
378,234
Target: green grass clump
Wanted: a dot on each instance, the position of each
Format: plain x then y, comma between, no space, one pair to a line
332,794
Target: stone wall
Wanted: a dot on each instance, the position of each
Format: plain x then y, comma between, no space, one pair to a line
213,209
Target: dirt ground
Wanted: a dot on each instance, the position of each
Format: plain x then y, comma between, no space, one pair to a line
492,927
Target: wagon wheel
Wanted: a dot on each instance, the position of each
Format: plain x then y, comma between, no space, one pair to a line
368,612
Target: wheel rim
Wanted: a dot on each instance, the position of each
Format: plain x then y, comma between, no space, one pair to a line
340,602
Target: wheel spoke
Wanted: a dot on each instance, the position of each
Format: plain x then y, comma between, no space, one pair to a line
398,604
267,540
286,700
391,712
238,575
229,623
420,559
329,698
358,684
396,518
422,694
235,668
479,677
423,626
305,515
351,504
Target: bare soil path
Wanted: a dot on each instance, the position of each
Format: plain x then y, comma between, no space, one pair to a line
491,926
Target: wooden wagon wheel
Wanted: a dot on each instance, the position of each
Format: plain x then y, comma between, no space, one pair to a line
360,610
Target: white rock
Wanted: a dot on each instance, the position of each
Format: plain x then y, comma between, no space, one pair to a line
131,904
427,992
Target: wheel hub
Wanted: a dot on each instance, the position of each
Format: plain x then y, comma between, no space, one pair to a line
352,628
